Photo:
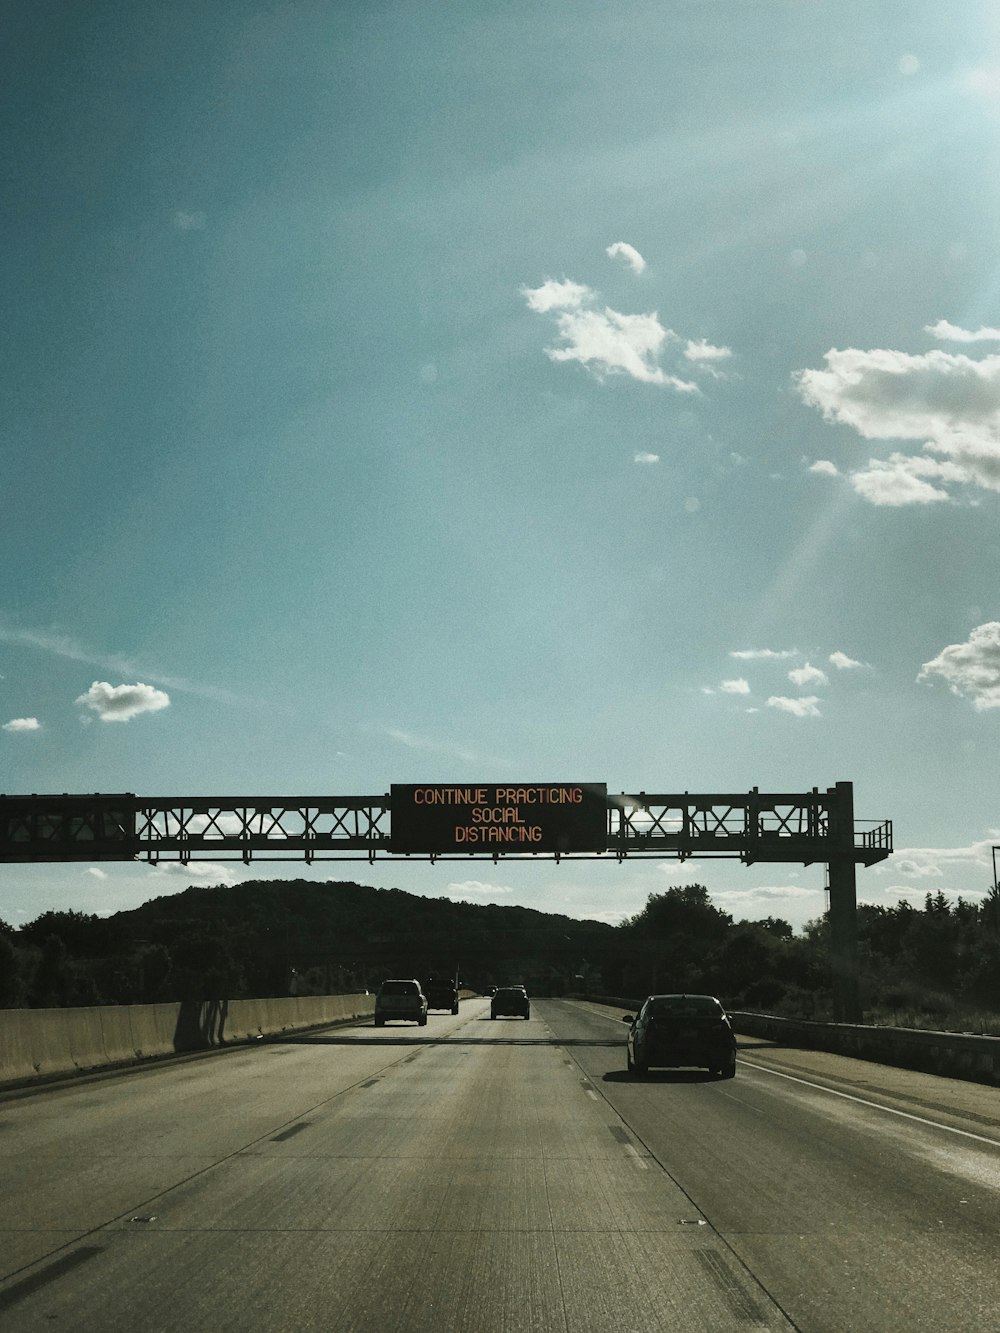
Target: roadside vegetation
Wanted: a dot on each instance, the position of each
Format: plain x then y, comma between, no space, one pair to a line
935,966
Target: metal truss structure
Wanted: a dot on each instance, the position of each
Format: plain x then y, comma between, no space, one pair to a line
753,826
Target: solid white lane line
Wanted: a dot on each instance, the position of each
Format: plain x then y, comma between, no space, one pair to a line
877,1106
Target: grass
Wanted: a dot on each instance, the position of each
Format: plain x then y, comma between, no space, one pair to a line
974,1022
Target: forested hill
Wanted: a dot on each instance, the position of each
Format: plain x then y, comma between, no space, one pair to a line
939,966
267,937
314,923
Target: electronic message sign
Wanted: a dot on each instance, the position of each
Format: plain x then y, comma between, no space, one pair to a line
437,819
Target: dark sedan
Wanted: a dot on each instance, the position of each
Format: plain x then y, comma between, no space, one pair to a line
681,1030
511,1000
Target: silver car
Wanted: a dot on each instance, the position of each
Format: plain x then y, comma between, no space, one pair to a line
401,999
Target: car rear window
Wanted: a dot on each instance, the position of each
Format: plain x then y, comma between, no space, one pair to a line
398,988
686,1005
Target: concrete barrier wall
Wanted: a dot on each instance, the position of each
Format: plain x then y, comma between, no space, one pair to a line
40,1043
953,1054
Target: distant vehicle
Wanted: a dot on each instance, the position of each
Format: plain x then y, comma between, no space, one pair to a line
681,1030
441,994
402,999
512,1000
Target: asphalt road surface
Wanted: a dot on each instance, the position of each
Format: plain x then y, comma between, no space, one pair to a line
475,1176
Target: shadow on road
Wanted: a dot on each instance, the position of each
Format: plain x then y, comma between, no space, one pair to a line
661,1076
402,1037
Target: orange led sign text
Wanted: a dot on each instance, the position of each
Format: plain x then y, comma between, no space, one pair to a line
434,819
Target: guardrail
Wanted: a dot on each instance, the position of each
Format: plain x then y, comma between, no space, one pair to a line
953,1054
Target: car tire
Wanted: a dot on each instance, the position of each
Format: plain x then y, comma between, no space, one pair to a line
455,1009
641,1068
729,1070
379,1022
422,1020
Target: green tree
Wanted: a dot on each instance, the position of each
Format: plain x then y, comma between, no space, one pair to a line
683,910
12,970
52,985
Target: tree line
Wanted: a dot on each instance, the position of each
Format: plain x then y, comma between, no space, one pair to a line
919,965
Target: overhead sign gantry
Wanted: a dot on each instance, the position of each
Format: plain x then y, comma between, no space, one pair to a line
451,821
433,821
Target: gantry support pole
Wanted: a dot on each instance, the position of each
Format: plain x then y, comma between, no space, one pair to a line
843,905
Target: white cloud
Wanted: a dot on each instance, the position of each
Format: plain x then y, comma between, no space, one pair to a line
842,662
952,333
632,257
120,703
605,341
762,654
893,891
223,826
97,872
949,401
217,872
807,675
705,351
22,724
807,706
971,669
916,869
900,480
908,64
646,458
823,467
610,343
477,888
739,686
554,295
934,862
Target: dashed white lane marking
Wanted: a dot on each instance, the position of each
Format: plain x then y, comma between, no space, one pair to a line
637,1158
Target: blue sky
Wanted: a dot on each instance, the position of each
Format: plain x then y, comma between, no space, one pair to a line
578,392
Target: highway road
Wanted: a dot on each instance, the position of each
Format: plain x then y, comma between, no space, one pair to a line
475,1176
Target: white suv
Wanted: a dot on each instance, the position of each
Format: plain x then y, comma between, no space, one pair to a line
400,999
